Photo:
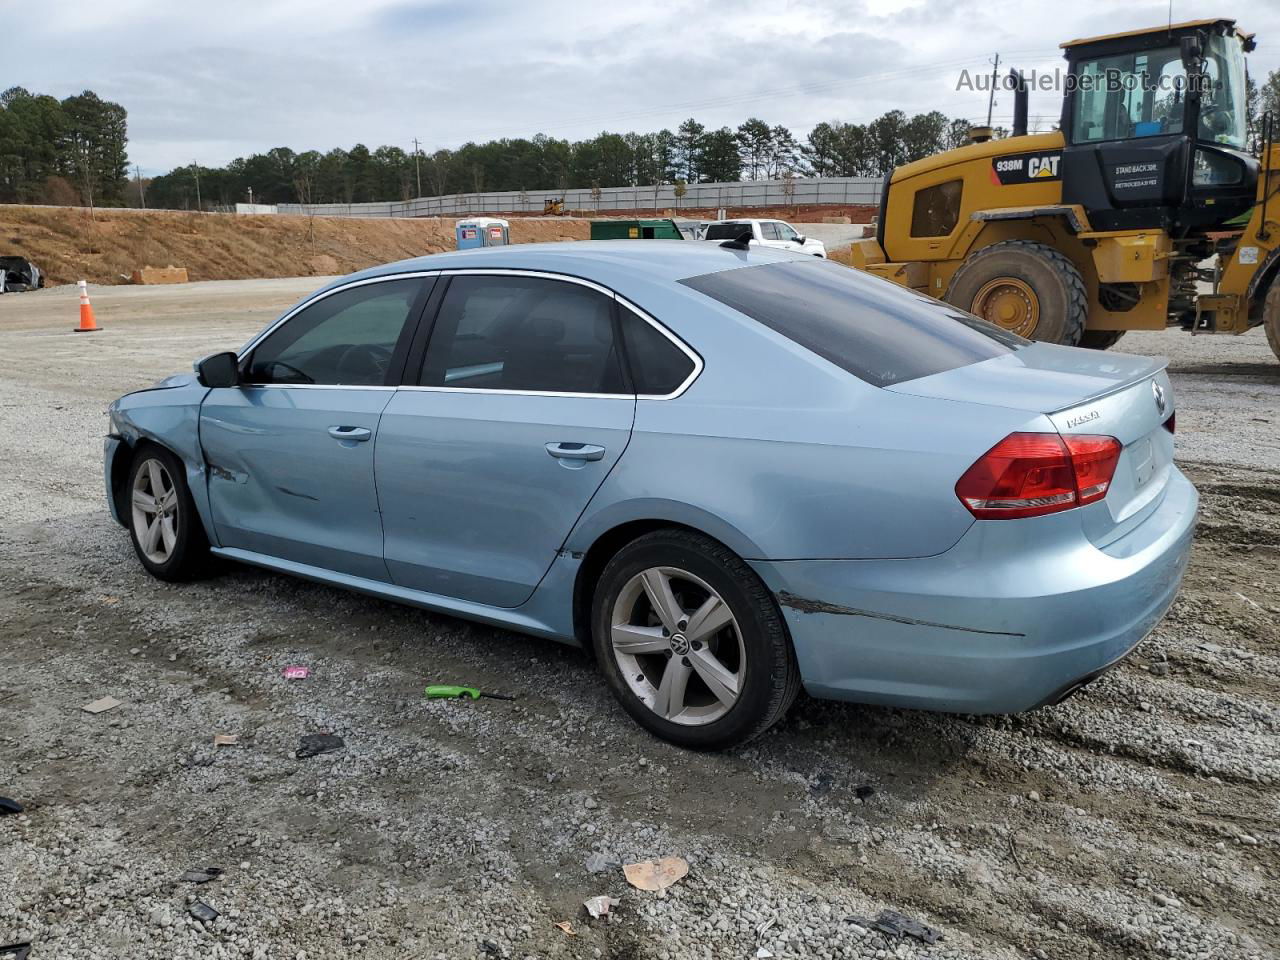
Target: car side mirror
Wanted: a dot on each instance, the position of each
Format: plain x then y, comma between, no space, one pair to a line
219,370
1192,51
800,238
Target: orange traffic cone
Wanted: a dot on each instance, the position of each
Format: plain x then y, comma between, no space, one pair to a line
87,323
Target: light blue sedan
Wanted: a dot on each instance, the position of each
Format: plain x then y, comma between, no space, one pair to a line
727,472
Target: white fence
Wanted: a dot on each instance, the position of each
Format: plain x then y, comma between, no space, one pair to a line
864,191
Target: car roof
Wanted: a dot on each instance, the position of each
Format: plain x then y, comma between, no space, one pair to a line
600,260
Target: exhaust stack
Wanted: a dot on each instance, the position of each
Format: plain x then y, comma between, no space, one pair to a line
1020,97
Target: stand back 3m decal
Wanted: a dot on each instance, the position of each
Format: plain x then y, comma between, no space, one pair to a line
1026,167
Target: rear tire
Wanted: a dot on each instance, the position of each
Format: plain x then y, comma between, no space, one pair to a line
691,641
1100,339
1027,288
165,529
1271,318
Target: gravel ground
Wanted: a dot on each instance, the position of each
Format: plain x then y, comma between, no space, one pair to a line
1137,820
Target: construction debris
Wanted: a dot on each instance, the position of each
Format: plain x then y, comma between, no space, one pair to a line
599,906
202,875
101,705
655,875
900,925
314,744
9,806
202,911
169,274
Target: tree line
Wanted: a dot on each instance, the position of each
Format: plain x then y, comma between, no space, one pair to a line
72,151
692,153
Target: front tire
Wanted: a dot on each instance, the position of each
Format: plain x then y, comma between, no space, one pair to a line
166,532
1027,288
691,641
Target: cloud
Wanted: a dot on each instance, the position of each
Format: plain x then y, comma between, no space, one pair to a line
215,82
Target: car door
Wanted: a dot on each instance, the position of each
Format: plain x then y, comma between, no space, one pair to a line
290,451
790,239
490,453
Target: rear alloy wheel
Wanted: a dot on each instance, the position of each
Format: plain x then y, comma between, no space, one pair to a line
167,535
692,642
1026,288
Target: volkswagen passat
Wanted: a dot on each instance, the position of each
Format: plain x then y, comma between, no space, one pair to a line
728,472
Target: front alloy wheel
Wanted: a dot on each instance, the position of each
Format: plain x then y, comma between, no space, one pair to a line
167,534
155,511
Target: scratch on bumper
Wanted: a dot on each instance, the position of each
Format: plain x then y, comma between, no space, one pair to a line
803,605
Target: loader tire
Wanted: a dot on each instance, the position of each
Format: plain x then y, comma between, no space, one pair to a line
1100,339
1026,288
1271,318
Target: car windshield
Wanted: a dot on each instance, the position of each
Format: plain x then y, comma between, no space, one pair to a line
877,331
1222,103
727,231
1143,94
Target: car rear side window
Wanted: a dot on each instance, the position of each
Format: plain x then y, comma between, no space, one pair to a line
726,231
877,331
523,333
657,365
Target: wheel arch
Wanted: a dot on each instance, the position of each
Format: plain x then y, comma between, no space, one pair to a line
604,540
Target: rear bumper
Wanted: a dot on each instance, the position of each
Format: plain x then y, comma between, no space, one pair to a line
1012,617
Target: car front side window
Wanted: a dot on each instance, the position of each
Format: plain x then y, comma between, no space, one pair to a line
785,232
344,339
530,334
769,231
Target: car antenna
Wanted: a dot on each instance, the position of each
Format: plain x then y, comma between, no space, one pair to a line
741,242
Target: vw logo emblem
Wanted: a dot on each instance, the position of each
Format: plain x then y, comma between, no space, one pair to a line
679,645
1158,392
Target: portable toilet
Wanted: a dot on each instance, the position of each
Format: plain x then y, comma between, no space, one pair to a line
482,232
665,229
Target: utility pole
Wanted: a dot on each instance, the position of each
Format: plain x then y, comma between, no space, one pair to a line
416,165
995,78
195,167
142,193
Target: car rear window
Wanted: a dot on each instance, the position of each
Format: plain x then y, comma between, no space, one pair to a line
877,331
726,231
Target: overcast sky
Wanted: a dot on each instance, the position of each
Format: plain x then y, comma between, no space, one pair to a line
216,80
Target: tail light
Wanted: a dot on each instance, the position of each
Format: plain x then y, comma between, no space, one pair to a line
1169,424
1031,474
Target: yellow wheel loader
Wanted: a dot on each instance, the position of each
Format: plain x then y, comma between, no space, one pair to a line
1145,195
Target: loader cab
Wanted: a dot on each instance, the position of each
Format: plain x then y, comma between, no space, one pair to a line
1154,128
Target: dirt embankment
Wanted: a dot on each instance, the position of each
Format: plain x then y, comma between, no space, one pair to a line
69,245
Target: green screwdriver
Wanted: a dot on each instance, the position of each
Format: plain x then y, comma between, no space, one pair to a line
439,691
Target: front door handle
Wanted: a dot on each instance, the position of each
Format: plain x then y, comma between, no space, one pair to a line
575,451
357,434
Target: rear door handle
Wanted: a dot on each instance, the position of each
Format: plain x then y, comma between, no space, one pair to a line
357,434
575,451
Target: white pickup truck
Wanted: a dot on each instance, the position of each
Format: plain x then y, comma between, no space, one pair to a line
766,233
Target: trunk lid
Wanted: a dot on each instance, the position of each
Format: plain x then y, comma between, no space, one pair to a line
1081,392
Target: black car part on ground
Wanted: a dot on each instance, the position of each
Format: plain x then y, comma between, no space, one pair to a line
18,274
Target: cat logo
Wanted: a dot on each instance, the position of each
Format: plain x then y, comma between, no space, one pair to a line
1045,167
1025,167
